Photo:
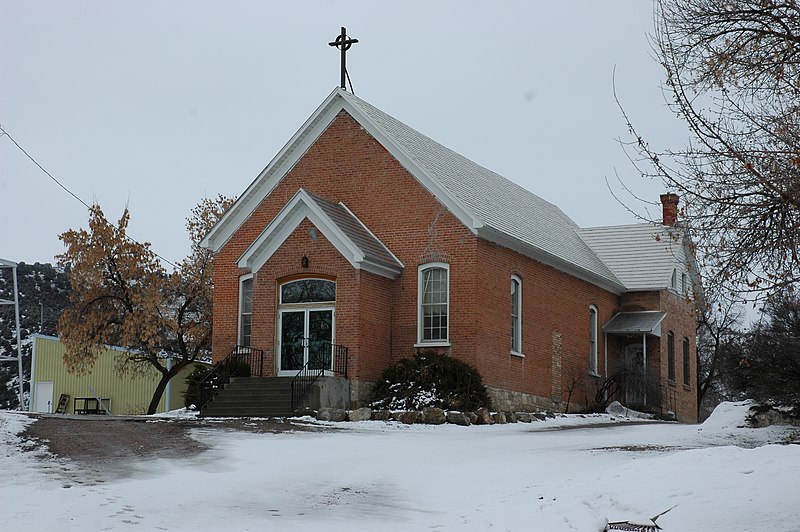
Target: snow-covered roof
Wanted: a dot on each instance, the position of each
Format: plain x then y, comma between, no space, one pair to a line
643,256
339,225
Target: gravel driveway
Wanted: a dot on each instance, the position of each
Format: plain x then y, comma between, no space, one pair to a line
112,445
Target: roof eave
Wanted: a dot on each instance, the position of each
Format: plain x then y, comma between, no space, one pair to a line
499,237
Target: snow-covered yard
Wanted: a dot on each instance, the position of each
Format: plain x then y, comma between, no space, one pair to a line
388,476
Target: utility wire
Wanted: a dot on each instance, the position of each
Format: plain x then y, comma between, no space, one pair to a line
3,132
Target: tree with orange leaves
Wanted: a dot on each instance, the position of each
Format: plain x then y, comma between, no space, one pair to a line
123,296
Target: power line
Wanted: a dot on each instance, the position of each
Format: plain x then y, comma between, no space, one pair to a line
3,132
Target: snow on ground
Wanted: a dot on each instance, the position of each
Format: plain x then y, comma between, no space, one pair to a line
572,474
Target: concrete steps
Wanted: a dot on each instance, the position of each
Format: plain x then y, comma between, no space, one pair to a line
251,397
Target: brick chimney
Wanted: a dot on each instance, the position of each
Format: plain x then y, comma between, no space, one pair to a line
669,203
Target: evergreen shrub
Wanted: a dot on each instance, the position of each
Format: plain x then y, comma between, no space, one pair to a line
431,379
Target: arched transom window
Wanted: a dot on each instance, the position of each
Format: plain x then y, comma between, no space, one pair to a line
308,291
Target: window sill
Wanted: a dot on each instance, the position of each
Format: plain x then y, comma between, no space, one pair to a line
671,383
422,345
516,354
687,387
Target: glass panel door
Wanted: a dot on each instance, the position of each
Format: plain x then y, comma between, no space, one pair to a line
306,337
320,337
292,340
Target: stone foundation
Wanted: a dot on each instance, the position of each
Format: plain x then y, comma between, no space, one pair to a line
511,401
361,393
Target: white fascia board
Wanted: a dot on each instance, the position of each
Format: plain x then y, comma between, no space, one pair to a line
501,238
271,175
300,207
380,269
430,183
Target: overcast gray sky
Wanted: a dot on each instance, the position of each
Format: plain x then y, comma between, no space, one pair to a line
156,104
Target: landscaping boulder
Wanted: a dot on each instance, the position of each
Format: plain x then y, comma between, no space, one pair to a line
433,416
484,416
409,418
305,411
458,418
361,414
381,415
500,418
510,417
541,416
331,414
523,417
473,417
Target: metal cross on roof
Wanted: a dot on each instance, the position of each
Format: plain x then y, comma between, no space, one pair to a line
343,43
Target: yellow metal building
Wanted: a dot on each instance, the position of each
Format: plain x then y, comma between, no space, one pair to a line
52,386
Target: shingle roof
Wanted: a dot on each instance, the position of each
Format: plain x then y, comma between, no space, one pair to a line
497,202
642,255
373,249
491,206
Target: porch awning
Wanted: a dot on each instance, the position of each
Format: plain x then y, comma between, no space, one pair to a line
643,322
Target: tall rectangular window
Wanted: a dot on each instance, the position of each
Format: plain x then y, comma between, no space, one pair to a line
687,377
516,315
245,310
593,340
434,302
670,356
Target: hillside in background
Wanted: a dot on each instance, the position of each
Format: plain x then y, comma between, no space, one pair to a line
43,294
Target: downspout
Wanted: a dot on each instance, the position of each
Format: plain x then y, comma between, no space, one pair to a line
644,364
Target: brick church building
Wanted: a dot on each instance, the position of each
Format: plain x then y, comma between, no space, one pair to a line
364,241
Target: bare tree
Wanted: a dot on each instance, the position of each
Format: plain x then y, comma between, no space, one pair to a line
768,369
719,340
733,76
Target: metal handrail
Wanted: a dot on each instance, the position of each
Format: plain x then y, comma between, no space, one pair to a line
243,361
669,400
333,359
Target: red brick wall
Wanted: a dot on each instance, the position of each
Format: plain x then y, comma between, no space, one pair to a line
346,164
680,320
376,318
552,301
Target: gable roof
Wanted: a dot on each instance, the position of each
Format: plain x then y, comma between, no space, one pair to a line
489,205
341,227
642,255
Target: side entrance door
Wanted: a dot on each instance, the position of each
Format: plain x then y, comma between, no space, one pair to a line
43,397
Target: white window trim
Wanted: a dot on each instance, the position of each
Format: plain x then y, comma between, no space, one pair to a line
518,339
242,279
431,343
594,362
